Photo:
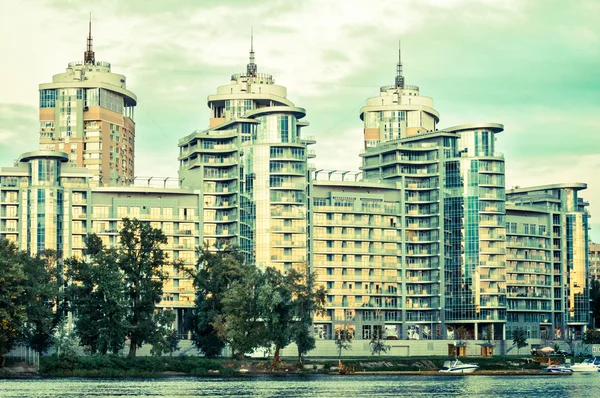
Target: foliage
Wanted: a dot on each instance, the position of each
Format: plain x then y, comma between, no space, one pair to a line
519,336
64,339
141,261
287,304
166,339
215,272
115,293
117,366
276,304
591,337
309,301
377,342
97,296
12,305
240,323
45,299
343,339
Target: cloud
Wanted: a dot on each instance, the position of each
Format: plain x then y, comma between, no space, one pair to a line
19,129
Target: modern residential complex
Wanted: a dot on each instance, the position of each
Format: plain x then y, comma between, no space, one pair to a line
422,243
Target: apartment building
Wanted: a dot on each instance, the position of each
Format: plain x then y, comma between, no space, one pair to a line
88,113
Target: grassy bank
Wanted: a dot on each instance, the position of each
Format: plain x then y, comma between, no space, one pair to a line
117,366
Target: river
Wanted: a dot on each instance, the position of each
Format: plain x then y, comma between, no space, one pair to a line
578,385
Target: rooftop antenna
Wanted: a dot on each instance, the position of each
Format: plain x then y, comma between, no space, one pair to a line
88,56
399,76
251,68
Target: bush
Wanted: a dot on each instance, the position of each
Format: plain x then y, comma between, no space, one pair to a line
116,366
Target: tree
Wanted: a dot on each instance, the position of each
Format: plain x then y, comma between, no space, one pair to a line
343,339
45,299
64,339
141,260
591,337
215,272
240,323
275,299
377,342
309,301
166,339
519,336
98,298
12,305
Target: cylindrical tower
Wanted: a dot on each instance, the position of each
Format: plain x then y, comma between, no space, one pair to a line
87,112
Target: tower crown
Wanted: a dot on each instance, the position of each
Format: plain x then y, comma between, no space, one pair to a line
88,56
251,69
399,76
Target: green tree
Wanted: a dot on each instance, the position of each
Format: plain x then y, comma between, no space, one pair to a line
240,323
343,339
309,302
591,337
377,342
166,339
64,339
519,336
98,297
12,305
45,299
215,271
277,308
142,260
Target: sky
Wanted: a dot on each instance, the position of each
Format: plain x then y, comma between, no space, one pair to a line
532,65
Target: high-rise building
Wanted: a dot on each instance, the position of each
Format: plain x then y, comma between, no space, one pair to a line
251,165
87,112
547,260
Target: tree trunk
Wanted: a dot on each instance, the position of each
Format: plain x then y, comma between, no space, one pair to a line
2,361
132,348
276,358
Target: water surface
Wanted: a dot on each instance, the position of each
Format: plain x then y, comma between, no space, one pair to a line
578,385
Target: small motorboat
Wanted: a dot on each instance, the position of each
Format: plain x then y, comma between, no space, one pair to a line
558,369
588,365
456,366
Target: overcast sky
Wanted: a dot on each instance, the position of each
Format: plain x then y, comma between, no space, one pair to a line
532,65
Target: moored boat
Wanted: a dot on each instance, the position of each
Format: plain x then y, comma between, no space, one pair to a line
558,369
588,365
456,366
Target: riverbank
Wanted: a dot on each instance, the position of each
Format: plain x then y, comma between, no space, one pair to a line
113,366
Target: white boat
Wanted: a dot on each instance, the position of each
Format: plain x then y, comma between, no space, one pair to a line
588,365
456,366
557,369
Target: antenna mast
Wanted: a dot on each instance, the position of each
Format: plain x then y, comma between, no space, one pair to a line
399,76
251,68
88,56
